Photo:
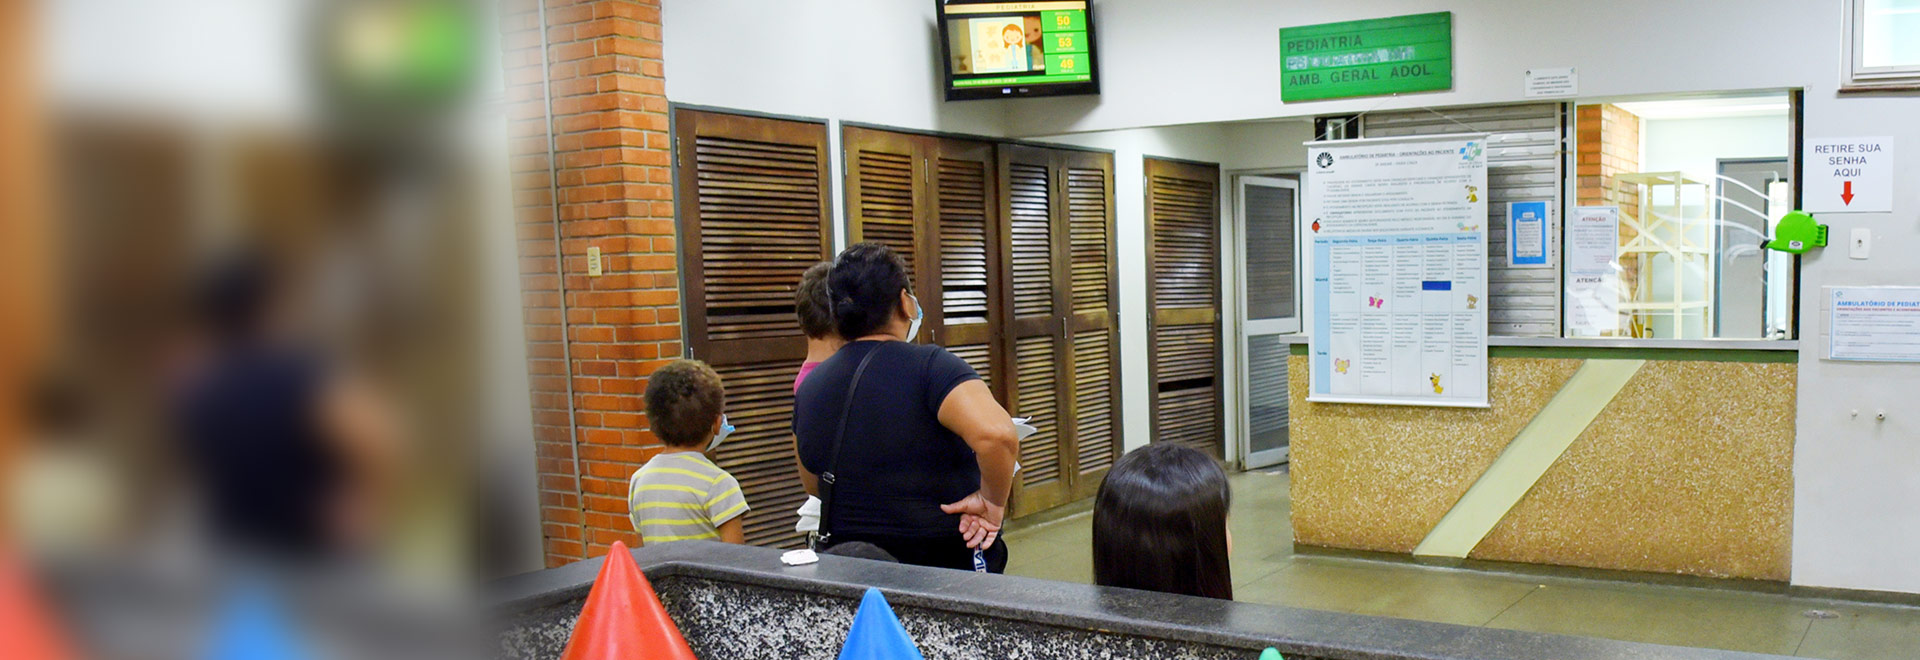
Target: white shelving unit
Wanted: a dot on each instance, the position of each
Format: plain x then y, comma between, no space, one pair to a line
1668,229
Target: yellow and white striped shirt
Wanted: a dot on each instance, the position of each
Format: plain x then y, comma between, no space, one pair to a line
682,496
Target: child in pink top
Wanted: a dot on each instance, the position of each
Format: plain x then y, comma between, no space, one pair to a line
811,304
815,309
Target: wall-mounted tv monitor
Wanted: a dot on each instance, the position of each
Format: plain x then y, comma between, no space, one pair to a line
1009,49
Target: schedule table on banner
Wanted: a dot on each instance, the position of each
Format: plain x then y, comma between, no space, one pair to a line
1399,262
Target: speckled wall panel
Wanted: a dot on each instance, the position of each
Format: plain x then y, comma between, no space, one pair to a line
1688,470
1380,477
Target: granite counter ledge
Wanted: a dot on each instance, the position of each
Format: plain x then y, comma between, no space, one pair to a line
1032,618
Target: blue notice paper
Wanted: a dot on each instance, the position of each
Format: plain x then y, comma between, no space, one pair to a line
1527,234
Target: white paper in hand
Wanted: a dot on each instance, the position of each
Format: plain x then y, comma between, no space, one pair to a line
809,516
1021,429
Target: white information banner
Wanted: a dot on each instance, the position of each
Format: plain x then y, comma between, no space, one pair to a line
1399,259
1593,278
1874,323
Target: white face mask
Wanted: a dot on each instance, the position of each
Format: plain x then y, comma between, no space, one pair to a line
919,314
725,430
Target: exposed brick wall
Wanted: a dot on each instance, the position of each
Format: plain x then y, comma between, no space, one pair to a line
609,120
1608,144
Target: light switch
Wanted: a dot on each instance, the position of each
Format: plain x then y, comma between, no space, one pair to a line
593,261
1861,243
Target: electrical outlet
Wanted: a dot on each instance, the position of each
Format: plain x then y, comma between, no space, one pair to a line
593,262
1862,242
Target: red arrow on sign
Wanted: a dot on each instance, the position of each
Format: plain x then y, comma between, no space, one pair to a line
1846,193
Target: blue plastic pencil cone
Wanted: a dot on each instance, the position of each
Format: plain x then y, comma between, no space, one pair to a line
876,633
253,627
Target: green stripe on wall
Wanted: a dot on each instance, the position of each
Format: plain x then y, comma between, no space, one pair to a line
1527,457
1629,353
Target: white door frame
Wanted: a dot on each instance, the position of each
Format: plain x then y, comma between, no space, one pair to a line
1242,327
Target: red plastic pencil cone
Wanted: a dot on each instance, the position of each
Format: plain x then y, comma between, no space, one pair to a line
27,630
623,618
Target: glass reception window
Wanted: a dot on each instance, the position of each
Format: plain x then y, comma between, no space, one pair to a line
1675,199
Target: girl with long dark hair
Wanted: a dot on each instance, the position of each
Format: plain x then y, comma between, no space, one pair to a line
1160,523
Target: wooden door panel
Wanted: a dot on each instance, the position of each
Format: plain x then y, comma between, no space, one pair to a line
759,453
753,216
965,207
1184,347
889,202
1092,330
1032,220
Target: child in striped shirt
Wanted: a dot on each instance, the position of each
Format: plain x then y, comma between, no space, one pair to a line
681,494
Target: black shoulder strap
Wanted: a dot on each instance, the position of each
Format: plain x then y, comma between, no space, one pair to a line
828,478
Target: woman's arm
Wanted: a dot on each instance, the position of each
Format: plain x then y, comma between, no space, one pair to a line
970,412
807,479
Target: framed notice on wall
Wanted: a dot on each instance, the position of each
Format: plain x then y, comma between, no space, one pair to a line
1398,310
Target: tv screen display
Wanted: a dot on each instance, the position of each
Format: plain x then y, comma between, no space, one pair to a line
1008,49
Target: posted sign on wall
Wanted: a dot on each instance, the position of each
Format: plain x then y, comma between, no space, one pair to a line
1399,262
1848,175
1367,58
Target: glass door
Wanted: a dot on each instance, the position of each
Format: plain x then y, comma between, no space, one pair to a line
1267,250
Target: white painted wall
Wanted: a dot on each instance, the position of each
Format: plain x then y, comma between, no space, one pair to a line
1266,145
872,61
1226,64
1694,145
1855,478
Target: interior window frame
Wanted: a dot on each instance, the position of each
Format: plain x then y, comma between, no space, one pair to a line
1570,181
1854,74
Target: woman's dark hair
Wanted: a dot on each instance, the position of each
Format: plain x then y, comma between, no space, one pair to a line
234,295
811,304
1160,523
865,285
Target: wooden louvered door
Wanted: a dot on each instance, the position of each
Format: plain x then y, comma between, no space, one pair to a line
1183,290
932,200
1056,215
968,283
753,213
887,196
1093,327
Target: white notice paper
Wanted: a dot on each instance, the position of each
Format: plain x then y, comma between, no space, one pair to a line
1399,262
1848,175
1547,83
1593,282
1527,235
1874,323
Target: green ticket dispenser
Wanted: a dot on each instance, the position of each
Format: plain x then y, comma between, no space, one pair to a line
1797,233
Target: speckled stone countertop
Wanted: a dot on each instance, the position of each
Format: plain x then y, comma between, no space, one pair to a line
740,602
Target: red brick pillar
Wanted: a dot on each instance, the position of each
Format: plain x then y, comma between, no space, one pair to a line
613,181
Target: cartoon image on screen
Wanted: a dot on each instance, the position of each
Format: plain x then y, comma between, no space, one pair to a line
999,45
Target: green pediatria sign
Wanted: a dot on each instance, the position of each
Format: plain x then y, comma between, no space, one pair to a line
1367,58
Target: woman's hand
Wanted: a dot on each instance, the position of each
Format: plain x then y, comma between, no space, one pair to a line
980,519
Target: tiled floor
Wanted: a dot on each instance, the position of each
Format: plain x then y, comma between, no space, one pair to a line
1266,570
